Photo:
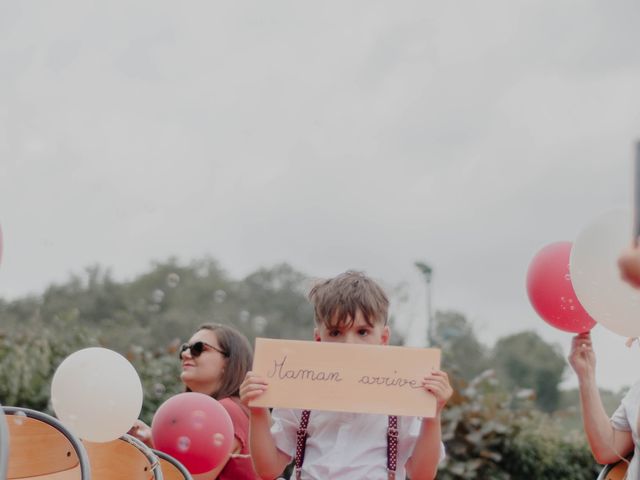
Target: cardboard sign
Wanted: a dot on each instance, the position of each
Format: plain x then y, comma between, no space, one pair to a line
345,377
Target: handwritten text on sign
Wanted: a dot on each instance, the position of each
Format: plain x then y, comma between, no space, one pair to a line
345,377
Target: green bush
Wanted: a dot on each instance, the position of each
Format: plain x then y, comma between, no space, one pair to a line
30,354
492,434
540,450
160,376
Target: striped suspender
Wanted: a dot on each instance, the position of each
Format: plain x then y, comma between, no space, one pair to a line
392,444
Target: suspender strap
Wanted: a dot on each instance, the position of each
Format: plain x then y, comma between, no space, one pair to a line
392,446
301,442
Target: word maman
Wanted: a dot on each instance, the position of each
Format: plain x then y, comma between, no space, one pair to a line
302,373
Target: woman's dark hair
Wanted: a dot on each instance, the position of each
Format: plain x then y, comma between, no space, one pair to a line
239,358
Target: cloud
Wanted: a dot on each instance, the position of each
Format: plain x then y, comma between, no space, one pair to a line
330,135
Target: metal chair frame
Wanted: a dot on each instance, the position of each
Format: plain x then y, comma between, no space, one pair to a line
148,452
83,459
175,463
4,445
615,471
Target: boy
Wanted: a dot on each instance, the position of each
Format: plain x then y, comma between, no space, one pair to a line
350,308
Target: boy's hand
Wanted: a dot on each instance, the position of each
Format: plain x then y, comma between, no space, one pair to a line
252,387
437,383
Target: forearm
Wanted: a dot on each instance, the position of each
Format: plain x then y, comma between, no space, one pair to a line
264,453
423,463
606,443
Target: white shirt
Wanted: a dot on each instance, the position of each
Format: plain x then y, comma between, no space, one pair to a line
345,445
625,418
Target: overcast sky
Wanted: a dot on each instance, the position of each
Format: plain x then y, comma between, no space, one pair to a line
329,135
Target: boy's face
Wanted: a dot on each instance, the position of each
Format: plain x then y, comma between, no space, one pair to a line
358,332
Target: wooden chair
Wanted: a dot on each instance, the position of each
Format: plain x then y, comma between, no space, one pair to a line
615,471
123,458
172,469
43,448
4,445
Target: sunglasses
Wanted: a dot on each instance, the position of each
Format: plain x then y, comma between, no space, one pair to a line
196,349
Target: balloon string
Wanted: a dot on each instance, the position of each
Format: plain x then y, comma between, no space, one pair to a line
240,455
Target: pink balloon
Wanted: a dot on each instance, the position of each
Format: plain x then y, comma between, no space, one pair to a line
195,429
551,292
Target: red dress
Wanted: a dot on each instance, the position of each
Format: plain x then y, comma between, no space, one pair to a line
238,468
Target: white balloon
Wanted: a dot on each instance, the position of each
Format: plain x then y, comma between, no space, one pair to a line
97,394
595,276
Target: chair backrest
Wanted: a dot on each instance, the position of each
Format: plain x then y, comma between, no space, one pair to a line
172,469
123,458
615,471
42,447
4,445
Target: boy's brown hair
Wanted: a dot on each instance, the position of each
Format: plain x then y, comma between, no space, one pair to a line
337,300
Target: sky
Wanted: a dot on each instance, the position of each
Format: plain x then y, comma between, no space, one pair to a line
329,135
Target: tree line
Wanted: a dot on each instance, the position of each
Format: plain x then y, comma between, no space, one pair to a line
508,419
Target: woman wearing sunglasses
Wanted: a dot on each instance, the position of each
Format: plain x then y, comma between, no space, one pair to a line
215,362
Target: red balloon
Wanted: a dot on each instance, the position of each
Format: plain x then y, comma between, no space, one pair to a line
195,429
551,292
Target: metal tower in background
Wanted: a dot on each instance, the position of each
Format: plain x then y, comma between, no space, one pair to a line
427,273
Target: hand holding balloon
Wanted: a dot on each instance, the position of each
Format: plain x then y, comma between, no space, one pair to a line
142,432
582,357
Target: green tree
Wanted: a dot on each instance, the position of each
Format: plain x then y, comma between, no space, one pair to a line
526,361
462,352
30,354
275,299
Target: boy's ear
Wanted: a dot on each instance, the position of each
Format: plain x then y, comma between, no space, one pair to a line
316,335
386,335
